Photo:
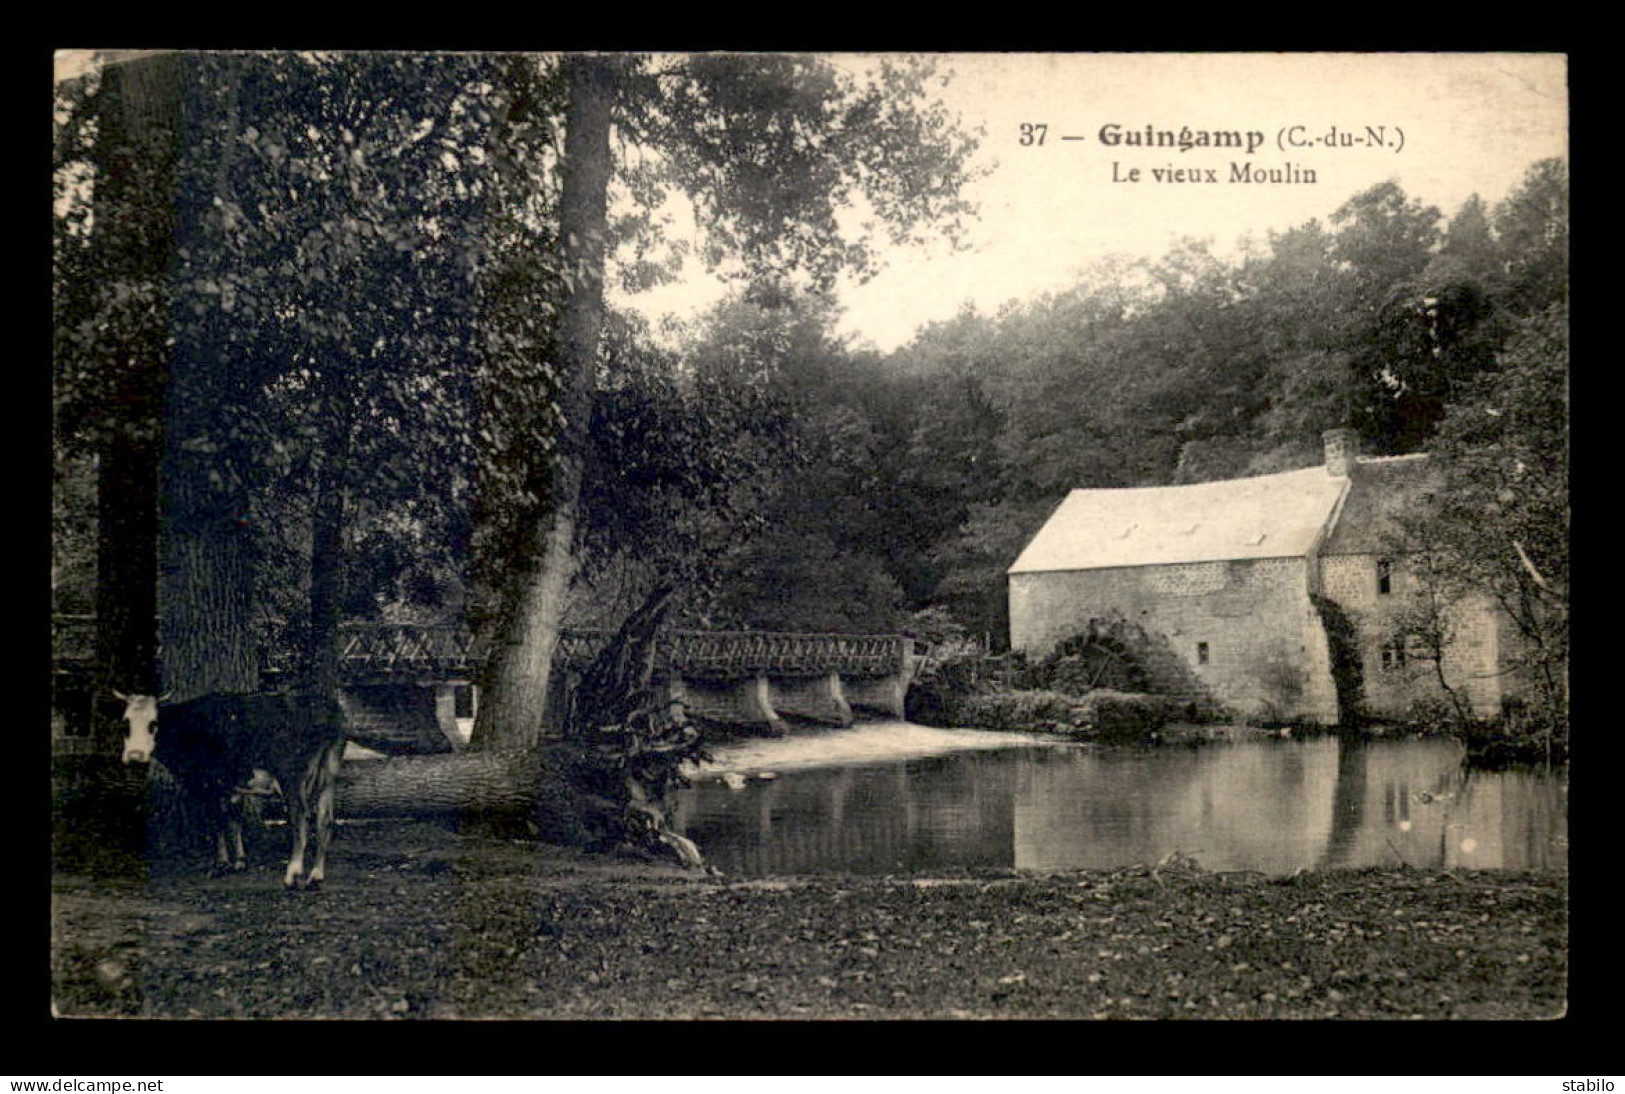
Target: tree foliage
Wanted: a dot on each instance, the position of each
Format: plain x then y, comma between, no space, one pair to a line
916,479
1500,524
391,369
313,332
1190,368
770,150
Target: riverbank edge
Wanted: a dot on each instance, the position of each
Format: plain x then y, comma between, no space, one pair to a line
469,926
1114,718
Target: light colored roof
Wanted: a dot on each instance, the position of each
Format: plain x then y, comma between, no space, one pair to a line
1269,516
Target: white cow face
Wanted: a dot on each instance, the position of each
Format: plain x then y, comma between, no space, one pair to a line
141,714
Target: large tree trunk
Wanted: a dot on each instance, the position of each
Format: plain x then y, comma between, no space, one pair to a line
514,700
205,588
542,788
137,136
127,563
327,559
460,783
172,561
546,789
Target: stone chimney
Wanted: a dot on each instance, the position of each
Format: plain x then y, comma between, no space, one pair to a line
1342,449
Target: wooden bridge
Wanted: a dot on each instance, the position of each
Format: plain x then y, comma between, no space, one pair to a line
410,687
397,653
748,678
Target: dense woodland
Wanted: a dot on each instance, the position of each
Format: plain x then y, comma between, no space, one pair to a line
355,316
890,492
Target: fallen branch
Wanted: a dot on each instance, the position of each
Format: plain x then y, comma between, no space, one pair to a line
606,784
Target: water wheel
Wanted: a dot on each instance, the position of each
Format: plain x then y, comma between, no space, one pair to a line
1108,664
1095,660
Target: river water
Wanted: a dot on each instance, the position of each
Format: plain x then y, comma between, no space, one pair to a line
900,798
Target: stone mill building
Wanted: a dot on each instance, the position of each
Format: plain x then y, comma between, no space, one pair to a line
1276,596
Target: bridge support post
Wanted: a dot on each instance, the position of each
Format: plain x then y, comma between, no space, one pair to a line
817,698
881,694
445,714
746,702
757,698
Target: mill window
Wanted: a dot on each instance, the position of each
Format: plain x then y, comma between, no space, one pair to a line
1393,656
1385,576
1201,653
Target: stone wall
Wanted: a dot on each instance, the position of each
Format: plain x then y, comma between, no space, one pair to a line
1394,685
1246,629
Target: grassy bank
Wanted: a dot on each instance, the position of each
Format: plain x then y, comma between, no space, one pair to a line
419,922
1111,717
1098,715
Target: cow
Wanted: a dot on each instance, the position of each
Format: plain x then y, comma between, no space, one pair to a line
217,745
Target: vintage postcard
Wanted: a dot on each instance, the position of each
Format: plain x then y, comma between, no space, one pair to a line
810,536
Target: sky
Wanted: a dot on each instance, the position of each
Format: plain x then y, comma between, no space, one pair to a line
1448,126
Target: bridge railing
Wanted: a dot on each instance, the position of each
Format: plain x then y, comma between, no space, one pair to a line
383,649
396,651
728,654
740,653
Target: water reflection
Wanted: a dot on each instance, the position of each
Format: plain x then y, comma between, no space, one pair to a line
1273,806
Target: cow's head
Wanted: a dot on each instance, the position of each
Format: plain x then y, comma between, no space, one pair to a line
141,718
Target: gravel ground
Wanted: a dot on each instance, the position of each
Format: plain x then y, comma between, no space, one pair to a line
419,922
